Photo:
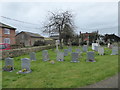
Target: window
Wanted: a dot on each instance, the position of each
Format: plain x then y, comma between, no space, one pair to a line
7,40
6,31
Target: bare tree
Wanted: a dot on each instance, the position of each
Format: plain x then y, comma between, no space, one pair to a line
57,23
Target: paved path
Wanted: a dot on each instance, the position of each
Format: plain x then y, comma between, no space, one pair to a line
111,82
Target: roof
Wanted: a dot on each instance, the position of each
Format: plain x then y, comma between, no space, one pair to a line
32,34
6,26
46,38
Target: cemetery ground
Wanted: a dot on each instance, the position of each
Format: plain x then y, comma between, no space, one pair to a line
61,74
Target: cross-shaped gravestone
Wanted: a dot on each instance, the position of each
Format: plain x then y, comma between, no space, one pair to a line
114,50
75,57
70,49
90,57
65,52
60,56
85,48
101,51
25,64
9,64
57,43
32,56
45,55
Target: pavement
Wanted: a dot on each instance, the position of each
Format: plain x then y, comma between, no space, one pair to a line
111,82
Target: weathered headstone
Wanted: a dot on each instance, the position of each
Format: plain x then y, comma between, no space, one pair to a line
90,57
101,51
78,50
32,56
114,50
9,65
96,48
75,57
45,55
60,56
57,43
25,66
65,52
70,49
93,45
85,48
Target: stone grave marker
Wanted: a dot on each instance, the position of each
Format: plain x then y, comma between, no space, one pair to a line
45,55
9,65
25,65
60,56
96,48
93,45
101,51
78,50
85,48
90,57
32,56
70,49
114,50
75,57
65,52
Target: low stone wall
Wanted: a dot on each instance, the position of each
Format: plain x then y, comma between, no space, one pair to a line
23,51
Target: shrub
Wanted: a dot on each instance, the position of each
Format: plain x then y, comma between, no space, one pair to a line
39,43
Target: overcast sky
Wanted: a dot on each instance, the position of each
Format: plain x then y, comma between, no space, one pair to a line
88,16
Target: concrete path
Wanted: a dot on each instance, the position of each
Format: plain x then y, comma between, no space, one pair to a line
111,82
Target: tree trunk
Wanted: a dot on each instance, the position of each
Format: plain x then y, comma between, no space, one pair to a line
61,47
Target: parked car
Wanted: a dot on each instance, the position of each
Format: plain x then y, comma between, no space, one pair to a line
4,46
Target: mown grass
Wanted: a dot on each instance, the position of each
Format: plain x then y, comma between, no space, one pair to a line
61,74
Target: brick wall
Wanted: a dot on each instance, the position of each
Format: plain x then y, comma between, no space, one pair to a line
23,51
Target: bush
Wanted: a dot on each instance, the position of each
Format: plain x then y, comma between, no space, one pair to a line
39,43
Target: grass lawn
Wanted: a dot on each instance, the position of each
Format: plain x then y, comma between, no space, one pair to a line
61,74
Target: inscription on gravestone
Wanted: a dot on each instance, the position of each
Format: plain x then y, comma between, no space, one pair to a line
101,51
65,52
90,57
25,65
70,49
85,48
9,65
45,55
114,50
60,56
32,56
75,57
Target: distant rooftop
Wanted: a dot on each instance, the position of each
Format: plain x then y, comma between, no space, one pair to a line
32,34
2,25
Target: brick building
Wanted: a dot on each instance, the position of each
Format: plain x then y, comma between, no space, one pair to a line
7,34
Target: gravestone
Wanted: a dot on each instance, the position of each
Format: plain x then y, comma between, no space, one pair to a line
101,51
9,65
75,57
25,65
45,55
114,50
60,56
70,49
57,43
78,50
85,48
93,45
32,56
65,52
90,57
96,48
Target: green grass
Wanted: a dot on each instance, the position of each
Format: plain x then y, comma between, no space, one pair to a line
61,74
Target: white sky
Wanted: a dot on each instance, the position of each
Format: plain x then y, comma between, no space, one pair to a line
88,16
